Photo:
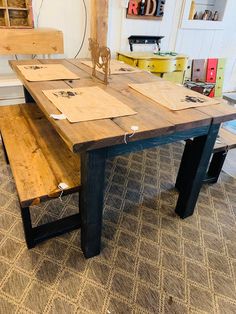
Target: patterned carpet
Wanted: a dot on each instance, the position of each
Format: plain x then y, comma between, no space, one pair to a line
151,261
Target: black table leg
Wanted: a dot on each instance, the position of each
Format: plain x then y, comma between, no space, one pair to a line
185,165
91,200
192,180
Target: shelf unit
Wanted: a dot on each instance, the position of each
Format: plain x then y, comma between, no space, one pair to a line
202,5
16,14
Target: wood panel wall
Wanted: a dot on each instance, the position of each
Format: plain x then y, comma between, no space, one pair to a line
99,20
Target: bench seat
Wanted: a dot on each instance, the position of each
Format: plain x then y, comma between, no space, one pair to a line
38,157
225,142
39,161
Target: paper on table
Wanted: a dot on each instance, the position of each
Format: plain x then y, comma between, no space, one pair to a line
87,103
172,96
117,67
46,72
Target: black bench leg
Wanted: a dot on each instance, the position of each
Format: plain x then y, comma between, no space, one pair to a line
27,225
28,97
215,167
5,151
201,150
91,200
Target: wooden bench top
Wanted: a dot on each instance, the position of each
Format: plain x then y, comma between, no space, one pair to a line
227,140
152,119
38,157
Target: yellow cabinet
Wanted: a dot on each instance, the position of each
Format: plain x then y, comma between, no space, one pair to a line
170,67
130,61
157,65
181,64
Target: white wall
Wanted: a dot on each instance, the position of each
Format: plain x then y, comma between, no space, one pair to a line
194,43
67,16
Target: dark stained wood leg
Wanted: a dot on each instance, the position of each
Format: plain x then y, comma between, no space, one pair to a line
5,151
215,167
201,150
28,97
27,225
91,200
184,166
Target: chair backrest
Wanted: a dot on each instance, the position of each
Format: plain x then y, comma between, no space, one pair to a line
36,41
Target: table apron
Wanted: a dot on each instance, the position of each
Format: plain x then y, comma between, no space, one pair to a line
140,145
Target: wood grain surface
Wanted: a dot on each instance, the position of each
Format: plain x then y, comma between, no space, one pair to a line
39,159
151,118
31,41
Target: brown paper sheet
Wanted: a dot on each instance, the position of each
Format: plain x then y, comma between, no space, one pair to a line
172,96
46,72
87,104
117,67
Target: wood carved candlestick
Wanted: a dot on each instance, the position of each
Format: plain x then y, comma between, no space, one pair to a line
101,58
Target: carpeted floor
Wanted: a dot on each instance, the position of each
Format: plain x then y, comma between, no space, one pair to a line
151,261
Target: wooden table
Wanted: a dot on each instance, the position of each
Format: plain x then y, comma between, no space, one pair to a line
98,140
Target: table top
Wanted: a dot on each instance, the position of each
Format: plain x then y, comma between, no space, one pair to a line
152,119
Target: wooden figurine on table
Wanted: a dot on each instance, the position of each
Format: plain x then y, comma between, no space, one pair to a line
101,58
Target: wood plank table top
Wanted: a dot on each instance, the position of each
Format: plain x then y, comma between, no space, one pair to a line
152,119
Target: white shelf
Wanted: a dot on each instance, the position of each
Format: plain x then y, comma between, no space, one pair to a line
213,5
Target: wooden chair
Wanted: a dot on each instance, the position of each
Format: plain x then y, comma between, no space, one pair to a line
38,41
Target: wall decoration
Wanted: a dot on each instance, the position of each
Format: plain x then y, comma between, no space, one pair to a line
16,14
146,9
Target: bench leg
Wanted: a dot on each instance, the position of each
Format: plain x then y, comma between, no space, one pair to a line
5,151
91,200
28,97
27,225
215,167
38,234
191,182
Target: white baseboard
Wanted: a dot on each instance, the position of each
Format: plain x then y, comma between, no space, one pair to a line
13,101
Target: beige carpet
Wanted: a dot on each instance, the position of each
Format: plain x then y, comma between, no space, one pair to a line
151,261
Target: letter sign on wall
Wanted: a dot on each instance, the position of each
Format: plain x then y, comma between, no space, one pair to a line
146,9
133,7
151,7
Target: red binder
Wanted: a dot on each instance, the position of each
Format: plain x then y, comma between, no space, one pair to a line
211,70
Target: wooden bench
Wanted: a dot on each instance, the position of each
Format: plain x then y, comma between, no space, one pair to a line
226,141
39,161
